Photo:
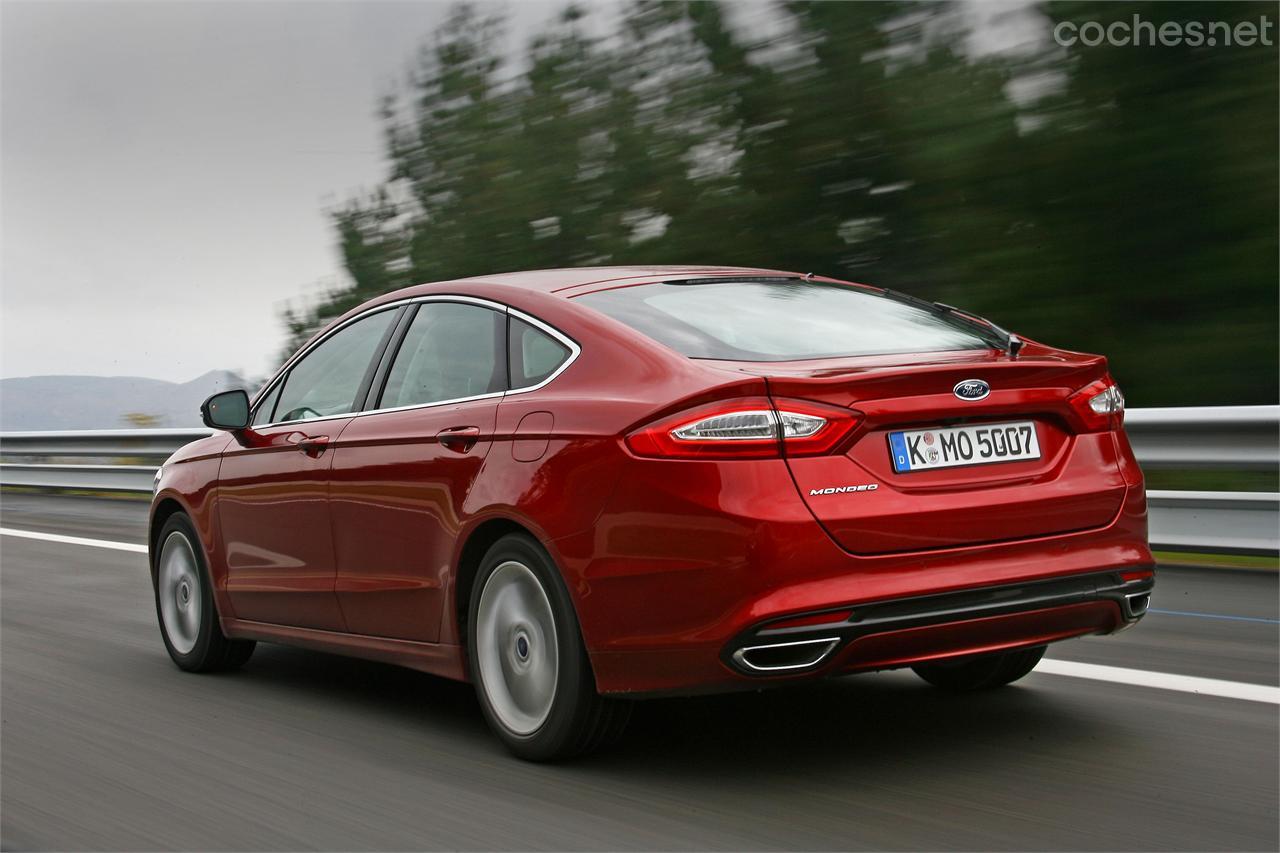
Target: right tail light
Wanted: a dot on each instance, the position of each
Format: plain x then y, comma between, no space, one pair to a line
1100,405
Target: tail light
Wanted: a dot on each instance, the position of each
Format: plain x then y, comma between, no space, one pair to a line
746,428
1100,405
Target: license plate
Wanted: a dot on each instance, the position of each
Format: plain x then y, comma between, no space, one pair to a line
952,447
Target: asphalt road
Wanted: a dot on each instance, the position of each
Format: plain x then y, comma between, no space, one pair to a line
106,745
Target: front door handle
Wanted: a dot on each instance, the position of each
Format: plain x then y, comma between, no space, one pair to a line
459,439
313,445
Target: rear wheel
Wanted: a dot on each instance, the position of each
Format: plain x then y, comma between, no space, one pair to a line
981,672
184,603
528,661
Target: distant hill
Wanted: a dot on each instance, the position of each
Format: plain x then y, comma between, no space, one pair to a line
102,402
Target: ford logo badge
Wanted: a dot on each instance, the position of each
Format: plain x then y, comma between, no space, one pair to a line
971,389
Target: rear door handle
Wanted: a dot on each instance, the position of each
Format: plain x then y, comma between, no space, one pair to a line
459,439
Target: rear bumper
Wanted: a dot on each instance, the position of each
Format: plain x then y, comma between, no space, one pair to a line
691,559
889,634
898,633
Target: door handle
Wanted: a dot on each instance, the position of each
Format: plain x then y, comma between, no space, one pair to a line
313,445
459,439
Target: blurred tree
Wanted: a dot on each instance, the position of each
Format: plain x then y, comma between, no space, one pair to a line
1156,208
141,420
1125,202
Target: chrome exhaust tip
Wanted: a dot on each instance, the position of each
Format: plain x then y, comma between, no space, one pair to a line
783,657
1136,603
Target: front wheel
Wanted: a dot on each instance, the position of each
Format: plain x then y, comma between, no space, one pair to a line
981,672
528,661
184,603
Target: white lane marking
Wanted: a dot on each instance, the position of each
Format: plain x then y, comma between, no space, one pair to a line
73,540
1162,680
1093,671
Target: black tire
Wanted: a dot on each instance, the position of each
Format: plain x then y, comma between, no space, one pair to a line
205,648
579,719
982,672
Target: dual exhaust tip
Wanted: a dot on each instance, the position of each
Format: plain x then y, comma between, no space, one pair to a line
805,654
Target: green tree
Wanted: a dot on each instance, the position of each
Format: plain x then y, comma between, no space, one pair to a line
1155,206
1130,207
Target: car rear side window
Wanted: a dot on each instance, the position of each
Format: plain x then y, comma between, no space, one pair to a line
534,354
783,320
451,351
328,378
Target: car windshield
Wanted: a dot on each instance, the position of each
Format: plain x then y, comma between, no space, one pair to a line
784,320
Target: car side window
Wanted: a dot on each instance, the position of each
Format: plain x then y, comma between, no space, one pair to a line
265,410
534,354
327,379
451,350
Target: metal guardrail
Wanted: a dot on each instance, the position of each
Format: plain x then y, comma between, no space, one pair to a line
94,478
1214,522
1227,438
1234,438
1237,438
133,454
152,444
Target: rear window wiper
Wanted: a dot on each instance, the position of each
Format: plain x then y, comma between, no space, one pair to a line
1012,343
1008,341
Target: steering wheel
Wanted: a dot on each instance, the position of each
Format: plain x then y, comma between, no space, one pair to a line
302,413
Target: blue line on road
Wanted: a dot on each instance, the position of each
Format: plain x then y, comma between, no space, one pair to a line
1215,616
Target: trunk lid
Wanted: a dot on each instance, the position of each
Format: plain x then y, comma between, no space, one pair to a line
1076,484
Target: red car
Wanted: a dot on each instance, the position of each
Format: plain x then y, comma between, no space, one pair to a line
576,487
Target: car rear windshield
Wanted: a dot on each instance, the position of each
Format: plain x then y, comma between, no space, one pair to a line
785,320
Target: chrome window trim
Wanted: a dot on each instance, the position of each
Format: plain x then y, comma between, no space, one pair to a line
559,336
426,405
556,334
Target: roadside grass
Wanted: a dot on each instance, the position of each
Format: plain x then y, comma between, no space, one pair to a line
1266,562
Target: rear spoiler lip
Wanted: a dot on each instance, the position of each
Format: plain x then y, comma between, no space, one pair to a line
948,360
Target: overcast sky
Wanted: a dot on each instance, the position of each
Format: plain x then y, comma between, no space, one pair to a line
164,168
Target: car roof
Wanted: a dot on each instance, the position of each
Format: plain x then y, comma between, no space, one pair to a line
585,279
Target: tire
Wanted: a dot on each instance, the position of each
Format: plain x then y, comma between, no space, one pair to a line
184,603
982,672
528,661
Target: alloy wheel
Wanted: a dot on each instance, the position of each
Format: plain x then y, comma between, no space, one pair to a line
517,649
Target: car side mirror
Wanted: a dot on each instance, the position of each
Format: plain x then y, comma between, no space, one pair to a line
228,410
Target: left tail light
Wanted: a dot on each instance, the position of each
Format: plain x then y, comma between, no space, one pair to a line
1100,405
746,428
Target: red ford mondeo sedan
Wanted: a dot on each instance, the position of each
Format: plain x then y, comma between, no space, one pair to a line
577,487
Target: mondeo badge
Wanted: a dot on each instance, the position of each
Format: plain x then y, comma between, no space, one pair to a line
971,389
840,490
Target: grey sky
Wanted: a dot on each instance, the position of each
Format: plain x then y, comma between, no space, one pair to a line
164,168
